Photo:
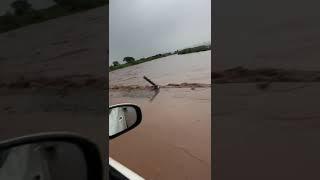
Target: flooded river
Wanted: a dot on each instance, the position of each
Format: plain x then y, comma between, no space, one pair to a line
174,139
190,68
266,134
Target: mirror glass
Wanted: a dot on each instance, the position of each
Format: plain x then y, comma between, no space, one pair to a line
43,161
121,118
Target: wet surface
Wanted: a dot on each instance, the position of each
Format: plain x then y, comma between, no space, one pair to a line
60,49
173,140
54,82
29,111
189,68
266,134
243,75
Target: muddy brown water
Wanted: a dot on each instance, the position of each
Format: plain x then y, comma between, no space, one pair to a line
174,139
189,68
266,134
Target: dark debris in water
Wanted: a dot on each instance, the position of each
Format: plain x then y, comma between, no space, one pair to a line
171,85
76,81
189,85
242,75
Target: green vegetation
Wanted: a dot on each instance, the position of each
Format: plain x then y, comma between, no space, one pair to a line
24,14
194,49
130,61
116,63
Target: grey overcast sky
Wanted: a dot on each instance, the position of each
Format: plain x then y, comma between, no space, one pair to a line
141,28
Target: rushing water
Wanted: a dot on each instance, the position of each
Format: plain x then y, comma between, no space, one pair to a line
190,68
173,139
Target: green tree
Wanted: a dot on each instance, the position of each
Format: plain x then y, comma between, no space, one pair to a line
21,7
115,63
129,59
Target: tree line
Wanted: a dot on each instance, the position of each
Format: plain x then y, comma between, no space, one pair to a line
24,14
129,61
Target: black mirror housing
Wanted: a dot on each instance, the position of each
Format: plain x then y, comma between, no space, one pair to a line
54,152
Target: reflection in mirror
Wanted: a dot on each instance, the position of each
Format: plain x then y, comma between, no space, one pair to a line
43,161
121,118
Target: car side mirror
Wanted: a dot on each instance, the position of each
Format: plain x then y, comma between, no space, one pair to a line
50,156
123,118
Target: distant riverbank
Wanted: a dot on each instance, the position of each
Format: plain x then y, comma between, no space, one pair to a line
116,65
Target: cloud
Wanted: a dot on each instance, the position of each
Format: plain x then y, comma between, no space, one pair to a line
141,28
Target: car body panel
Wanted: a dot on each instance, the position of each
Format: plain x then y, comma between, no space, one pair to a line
124,170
